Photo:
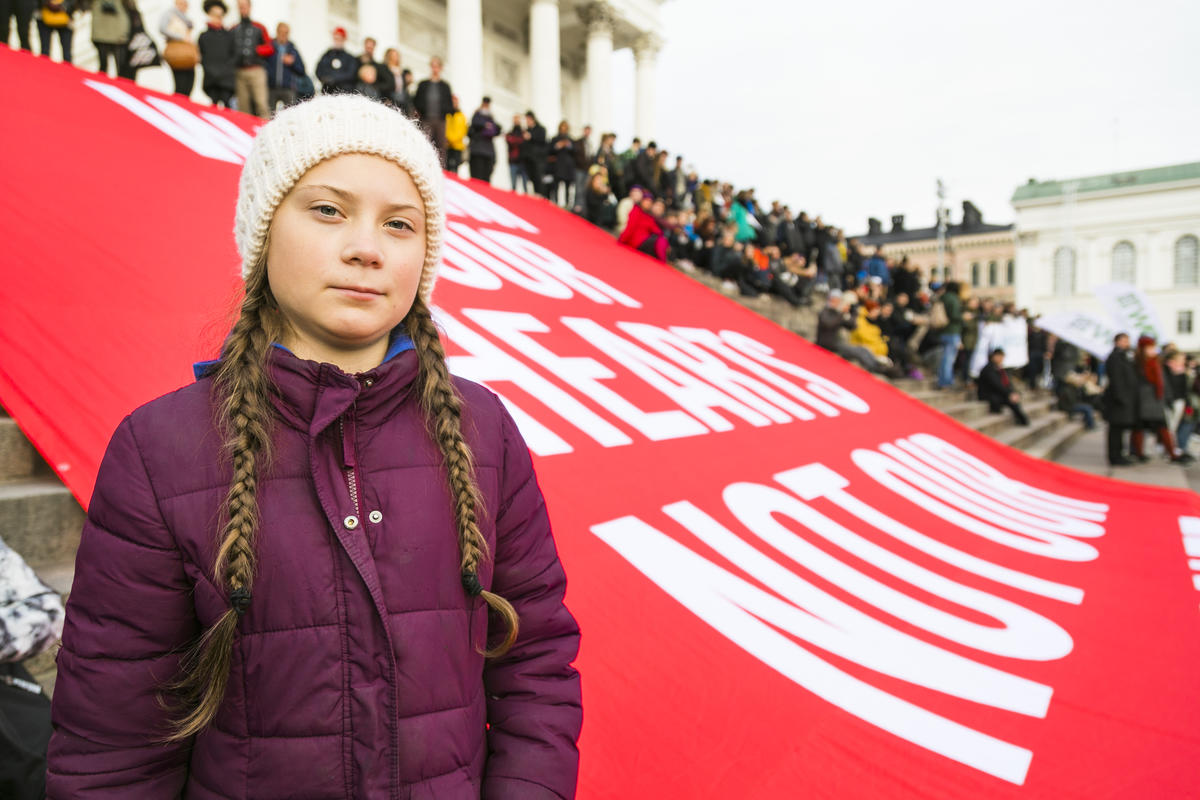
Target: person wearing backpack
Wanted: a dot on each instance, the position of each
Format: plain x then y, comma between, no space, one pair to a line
950,334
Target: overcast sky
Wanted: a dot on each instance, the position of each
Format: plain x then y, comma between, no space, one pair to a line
854,109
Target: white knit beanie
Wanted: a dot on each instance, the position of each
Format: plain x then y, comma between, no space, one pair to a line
304,135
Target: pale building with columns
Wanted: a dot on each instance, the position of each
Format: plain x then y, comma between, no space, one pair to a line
552,56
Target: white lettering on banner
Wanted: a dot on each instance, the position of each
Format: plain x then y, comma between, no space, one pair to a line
911,485
982,500
715,385
718,373
761,620
461,201
584,375
958,461
487,363
756,350
752,619
198,135
531,255
818,481
691,394
514,259
465,271
1022,633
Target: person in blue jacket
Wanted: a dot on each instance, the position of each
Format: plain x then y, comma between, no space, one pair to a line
284,69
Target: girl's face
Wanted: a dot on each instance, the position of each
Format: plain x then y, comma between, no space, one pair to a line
347,246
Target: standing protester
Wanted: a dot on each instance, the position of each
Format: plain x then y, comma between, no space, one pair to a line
181,54
400,77
226,602
1152,412
561,162
433,103
1175,397
483,150
385,84
54,18
456,134
950,334
284,69
337,70
515,140
1120,399
217,55
110,34
252,45
21,12
583,159
533,153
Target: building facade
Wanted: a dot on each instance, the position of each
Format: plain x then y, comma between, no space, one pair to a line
1139,227
976,253
551,56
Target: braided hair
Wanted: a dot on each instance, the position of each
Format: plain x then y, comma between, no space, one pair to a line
242,393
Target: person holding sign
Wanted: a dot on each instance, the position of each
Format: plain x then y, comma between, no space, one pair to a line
325,569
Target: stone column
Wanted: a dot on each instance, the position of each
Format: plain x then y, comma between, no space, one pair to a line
544,63
645,55
600,19
464,56
379,19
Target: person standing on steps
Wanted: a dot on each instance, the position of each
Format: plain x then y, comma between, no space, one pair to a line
349,587
1120,399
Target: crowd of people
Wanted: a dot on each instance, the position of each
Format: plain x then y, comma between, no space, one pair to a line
878,311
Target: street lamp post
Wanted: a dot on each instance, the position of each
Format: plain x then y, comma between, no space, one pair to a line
941,229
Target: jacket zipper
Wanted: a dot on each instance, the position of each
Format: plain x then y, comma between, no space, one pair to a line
348,465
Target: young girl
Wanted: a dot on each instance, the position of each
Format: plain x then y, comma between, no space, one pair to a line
284,584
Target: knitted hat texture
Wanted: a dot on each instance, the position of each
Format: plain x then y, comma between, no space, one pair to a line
304,135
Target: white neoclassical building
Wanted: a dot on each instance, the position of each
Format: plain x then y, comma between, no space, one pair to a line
1140,227
552,56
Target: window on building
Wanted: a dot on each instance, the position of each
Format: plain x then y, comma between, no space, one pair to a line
1011,272
993,273
975,274
1064,270
1124,262
1186,271
1183,322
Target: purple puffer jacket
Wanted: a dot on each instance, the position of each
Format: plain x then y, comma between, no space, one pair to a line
356,671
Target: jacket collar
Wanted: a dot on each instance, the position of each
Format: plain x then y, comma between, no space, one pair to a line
310,396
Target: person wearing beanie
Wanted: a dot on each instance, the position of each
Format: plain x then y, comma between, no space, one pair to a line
325,568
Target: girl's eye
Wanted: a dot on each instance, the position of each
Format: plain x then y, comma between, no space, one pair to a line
326,211
400,225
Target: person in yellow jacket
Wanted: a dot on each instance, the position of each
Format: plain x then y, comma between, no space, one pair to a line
866,332
456,135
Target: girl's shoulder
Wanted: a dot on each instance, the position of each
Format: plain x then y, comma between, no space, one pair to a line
488,425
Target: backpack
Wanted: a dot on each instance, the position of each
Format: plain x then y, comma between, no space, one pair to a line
938,318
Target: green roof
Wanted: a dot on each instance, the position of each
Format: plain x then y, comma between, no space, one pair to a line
1115,180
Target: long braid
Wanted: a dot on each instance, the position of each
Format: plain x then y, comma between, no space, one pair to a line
443,412
242,388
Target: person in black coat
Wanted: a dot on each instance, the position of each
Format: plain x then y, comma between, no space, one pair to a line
997,390
1120,399
433,102
385,82
217,56
337,70
533,153
562,156
483,151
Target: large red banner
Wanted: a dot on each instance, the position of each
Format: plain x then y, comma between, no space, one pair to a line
792,580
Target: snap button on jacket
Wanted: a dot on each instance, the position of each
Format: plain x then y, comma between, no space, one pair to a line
356,672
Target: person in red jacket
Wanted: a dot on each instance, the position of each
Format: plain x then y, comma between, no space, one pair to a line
645,232
252,46
325,569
